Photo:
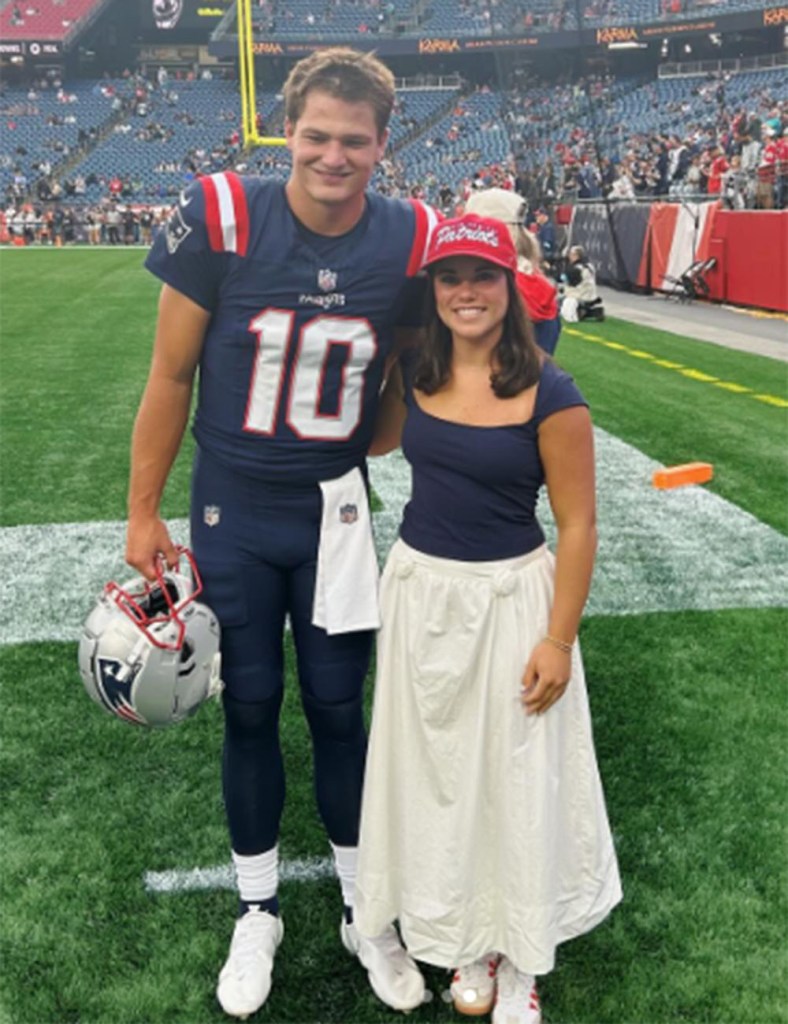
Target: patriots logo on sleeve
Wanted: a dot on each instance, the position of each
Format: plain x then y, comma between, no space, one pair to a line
177,230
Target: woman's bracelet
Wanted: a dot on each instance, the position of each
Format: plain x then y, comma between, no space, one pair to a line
562,645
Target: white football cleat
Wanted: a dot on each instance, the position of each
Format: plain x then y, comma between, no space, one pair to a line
393,974
245,979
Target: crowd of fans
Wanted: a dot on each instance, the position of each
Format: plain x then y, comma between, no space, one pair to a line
559,153
281,19
734,152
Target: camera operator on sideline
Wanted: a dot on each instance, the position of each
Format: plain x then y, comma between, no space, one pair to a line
581,298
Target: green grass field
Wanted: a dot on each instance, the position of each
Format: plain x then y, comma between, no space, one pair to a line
689,714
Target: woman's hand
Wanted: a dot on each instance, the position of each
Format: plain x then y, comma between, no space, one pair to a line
546,677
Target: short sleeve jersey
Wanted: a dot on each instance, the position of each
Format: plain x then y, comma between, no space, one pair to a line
300,323
475,488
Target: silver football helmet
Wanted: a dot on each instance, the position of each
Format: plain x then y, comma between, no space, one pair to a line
149,652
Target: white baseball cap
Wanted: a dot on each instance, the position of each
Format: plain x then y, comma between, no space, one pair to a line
498,203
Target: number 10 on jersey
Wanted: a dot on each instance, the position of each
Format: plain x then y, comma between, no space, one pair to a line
275,336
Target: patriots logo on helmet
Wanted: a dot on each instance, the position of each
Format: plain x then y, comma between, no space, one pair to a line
326,280
177,231
115,690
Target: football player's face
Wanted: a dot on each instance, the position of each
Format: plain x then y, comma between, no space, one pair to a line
472,297
335,146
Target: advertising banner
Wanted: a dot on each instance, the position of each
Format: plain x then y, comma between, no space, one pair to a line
534,41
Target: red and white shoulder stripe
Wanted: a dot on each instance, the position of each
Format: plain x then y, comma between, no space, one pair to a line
426,221
226,212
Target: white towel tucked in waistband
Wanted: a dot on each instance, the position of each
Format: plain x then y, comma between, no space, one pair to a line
346,585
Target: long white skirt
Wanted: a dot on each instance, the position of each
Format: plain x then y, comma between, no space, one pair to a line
483,829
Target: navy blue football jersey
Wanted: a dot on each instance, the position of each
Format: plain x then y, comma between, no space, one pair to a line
300,324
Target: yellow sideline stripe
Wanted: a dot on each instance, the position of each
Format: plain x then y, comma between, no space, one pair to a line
685,371
758,314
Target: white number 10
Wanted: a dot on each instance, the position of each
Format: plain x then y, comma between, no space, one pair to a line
274,330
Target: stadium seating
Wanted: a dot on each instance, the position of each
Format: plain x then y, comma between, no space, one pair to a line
157,139
471,136
188,128
44,125
45,19
347,19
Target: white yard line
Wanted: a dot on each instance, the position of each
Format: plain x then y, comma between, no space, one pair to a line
222,876
685,549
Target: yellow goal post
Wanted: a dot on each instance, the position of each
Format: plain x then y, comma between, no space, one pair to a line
251,136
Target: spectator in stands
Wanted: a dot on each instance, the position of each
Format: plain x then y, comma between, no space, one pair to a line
30,225
719,165
662,165
538,292
734,185
693,178
623,187
69,226
481,734
766,171
678,162
581,298
58,218
750,152
782,170
93,219
545,235
588,180
112,220
129,219
146,225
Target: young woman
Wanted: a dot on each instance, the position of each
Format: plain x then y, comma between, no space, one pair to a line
484,829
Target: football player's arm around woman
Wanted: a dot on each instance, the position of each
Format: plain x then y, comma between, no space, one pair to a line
160,425
390,416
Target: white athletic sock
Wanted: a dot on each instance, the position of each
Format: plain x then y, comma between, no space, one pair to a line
258,875
345,861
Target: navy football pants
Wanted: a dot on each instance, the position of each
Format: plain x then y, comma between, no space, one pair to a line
256,550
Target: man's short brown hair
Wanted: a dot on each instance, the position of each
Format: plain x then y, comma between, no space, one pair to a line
345,74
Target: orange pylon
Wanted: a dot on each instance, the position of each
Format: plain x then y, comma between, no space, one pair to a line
679,476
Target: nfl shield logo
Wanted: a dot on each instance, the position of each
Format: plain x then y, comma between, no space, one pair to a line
348,513
326,280
211,515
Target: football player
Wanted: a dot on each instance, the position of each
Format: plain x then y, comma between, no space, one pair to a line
285,297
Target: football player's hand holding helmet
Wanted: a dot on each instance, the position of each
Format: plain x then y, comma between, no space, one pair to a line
148,541
149,652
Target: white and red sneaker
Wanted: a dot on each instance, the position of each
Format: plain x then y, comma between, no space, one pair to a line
517,1001
473,986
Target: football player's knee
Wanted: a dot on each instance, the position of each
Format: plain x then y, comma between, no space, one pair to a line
335,722
250,720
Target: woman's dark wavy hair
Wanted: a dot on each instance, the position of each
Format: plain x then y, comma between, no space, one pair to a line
516,358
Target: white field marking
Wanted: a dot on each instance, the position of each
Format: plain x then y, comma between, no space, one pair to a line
222,876
685,549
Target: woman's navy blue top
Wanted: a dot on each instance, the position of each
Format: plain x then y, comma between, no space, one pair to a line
475,488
